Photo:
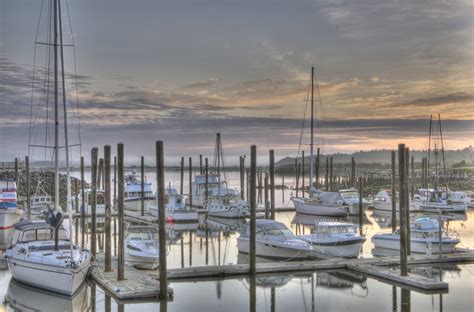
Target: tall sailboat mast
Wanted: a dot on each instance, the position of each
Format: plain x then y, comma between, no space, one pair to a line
312,133
56,109
66,134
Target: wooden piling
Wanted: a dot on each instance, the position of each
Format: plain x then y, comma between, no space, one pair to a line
272,184
259,187
190,182
326,177
298,168
160,176
120,211
207,181
94,160
318,168
267,206
242,176
200,164
108,209
181,185
353,172
17,180
100,174
296,176
142,185
402,205
28,187
83,208
407,199
253,208
331,179
190,248
412,177
361,194
253,293
394,195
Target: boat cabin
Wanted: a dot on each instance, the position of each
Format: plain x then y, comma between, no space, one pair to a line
31,231
267,228
330,228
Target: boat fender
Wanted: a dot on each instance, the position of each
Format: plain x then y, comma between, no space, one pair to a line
170,219
340,203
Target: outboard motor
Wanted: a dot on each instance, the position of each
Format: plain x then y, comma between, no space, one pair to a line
54,218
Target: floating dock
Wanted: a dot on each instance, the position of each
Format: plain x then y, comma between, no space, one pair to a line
144,285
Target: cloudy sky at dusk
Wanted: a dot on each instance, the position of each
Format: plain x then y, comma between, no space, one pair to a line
182,70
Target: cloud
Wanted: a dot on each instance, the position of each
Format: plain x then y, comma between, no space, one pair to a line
452,98
202,84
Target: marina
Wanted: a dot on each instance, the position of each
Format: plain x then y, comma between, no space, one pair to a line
184,172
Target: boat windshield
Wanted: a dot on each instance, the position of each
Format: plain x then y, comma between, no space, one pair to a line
42,234
339,229
283,232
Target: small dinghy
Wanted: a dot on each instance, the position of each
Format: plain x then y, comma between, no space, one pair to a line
142,248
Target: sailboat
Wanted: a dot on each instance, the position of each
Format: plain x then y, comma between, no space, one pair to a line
223,201
42,253
433,200
318,202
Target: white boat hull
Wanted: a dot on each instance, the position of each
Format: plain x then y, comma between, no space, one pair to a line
443,207
178,215
143,262
266,249
56,279
229,213
135,204
348,249
316,209
8,217
417,245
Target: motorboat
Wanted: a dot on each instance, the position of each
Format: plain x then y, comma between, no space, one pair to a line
334,238
383,201
40,201
176,210
142,247
9,210
424,238
133,193
44,256
274,240
227,206
321,203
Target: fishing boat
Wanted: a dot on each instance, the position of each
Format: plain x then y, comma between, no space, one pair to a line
176,210
133,193
141,247
383,201
224,202
337,239
87,204
424,238
318,202
9,210
274,240
40,201
41,253
351,200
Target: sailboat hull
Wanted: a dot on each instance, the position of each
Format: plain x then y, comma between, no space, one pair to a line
304,207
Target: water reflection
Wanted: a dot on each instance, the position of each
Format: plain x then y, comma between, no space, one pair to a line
25,298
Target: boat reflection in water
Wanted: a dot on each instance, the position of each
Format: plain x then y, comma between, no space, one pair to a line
342,280
25,298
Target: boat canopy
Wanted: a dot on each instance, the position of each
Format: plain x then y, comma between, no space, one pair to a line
329,198
425,224
136,187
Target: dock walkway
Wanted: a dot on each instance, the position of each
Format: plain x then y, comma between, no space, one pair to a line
140,284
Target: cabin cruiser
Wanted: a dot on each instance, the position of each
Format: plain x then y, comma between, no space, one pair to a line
9,212
434,200
133,193
424,237
321,203
351,199
274,240
142,247
333,238
175,208
43,256
383,201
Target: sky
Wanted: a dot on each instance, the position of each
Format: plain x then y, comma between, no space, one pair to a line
180,71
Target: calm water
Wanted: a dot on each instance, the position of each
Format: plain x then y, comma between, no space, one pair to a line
319,291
